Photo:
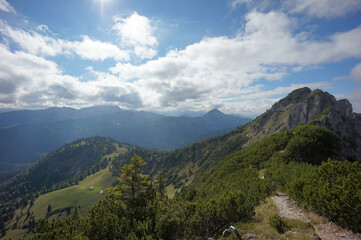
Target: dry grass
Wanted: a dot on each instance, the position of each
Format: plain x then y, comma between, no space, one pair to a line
261,227
170,190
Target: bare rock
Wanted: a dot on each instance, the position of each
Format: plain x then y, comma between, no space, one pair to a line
304,106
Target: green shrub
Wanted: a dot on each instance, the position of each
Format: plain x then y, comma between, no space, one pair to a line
277,223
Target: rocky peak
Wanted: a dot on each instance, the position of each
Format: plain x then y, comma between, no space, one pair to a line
294,97
344,107
303,106
214,112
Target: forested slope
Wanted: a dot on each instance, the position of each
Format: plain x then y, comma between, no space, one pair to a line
62,168
227,194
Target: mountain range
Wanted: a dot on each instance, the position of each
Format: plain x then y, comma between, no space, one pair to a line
203,164
26,136
300,107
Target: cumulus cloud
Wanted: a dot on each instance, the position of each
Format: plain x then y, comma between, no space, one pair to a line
43,45
323,8
255,101
224,66
23,74
137,31
97,50
27,80
355,73
279,91
6,7
214,72
33,42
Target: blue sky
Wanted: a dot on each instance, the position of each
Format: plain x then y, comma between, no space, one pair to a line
176,56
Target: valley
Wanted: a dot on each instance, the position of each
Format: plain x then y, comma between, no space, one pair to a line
210,185
39,132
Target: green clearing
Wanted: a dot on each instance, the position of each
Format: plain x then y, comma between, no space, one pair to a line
16,234
80,195
62,199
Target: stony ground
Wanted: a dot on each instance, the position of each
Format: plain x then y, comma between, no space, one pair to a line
325,229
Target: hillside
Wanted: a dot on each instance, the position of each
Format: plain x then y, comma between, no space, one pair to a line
270,144
62,201
294,161
63,168
43,131
300,107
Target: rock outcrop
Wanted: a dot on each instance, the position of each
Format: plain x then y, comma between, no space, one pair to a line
304,106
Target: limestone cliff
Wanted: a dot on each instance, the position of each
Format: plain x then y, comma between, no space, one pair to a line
303,106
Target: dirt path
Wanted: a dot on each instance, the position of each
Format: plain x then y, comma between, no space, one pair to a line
324,229
288,209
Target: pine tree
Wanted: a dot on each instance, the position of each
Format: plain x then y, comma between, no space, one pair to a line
131,179
49,211
76,213
161,184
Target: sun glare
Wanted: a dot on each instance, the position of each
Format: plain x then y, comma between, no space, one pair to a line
102,3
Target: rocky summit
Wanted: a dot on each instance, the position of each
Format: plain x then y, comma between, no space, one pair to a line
303,106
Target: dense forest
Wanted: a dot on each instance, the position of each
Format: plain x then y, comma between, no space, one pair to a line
297,161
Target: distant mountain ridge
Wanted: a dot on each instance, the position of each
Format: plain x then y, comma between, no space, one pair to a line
55,114
25,136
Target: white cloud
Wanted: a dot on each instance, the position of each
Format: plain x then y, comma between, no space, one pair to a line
215,72
6,7
235,3
97,50
248,108
42,45
27,81
45,29
255,5
33,42
355,73
222,66
270,35
27,78
355,99
323,8
137,31
284,90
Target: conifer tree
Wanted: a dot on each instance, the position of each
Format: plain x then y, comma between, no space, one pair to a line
161,184
76,213
131,179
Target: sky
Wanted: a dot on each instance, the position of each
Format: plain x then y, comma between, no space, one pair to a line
239,56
